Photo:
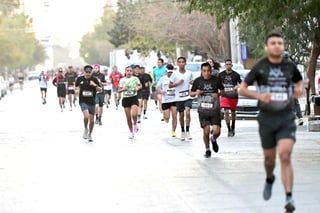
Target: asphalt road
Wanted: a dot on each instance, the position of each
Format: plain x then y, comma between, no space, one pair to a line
46,166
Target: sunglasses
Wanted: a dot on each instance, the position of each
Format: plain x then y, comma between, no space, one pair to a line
228,64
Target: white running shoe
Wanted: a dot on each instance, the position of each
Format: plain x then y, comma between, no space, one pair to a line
85,134
90,138
131,135
188,136
183,136
135,128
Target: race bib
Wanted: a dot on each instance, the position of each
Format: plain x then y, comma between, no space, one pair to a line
183,94
228,89
279,96
86,93
130,93
171,92
206,105
70,88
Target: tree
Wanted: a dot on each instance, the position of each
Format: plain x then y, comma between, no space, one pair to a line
299,21
96,46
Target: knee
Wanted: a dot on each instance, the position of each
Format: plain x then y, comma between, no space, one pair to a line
285,157
269,161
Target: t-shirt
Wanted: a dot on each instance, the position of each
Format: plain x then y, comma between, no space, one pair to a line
158,72
182,90
43,81
70,77
115,78
100,78
131,83
278,79
87,93
109,83
229,81
145,80
207,104
60,82
170,93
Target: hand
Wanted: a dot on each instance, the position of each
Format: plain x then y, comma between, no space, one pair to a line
264,97
199,92
215,95
92,83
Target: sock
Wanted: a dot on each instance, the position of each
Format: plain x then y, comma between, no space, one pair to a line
97,116
156,103
207,148
134,122
187,128
289,194
182,129
233,124
144,111
270,180
131,130
228,125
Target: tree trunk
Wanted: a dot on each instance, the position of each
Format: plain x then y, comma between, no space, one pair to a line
315,52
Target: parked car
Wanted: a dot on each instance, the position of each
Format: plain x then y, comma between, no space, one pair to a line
195,68
33,75
3,86
247,106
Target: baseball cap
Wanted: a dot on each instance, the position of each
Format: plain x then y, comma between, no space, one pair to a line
170,68
60,69
88,68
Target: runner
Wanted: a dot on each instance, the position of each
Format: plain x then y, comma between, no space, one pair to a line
215,66
71,76
159,71
60,82
168,99
43,78
279,82
208,88
100,94
137,73
231,81
107,88
11,83
115,77
88,87
21,80
181,81
145,91
129,85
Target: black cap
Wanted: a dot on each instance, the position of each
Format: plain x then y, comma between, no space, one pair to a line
88,68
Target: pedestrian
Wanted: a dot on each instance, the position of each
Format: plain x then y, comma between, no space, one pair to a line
279,82
231,81
71,76
115,77
60,82
107,88
145,91
11,83
137,73
88,87
100,94
21,80
181,81
158,71
129,85
168,99
43,86
208,88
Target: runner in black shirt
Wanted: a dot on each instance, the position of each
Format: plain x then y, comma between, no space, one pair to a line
146,81
88,86
279,82
208,88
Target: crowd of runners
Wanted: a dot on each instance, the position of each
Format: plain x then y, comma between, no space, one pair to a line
173,90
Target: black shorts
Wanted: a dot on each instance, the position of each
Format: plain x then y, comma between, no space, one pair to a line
166,106
182,105
71,92
209,120
61,93
139,94
128,102
107,92
145,93
43,89
274,126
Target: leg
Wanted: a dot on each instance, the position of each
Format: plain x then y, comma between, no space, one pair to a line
233,117
269,161
127,111
134,112
173,110
91,123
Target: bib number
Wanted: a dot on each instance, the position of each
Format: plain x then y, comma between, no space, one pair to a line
130,93
206,105
87,93
279,96
183,94
70,88
171,92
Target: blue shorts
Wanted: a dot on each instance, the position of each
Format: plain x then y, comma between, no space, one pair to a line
90,108
182,105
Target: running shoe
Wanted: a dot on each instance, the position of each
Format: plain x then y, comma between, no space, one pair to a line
97,121
138,120
207,154
233,132
267,191
85,134
131,135
100,122
135,128
183,136
300,121
289,205
90,138
230,133
188,136
215,146
145,117
162,119
173,134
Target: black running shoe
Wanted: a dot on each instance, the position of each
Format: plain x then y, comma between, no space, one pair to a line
215,146
267,191
207,154
289,205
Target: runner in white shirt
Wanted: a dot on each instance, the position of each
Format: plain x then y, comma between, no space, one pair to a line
168,99
107,88
181,81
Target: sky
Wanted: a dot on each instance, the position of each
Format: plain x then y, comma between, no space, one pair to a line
65,21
